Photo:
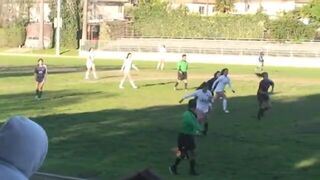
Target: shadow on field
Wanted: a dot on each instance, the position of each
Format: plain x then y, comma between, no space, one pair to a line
18,71
12,104
158,84
109,144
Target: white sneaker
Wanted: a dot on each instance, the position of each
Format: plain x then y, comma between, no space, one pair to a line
226,111
121,87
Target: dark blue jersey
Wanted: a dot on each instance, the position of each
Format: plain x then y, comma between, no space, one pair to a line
264,85
40,72
261,58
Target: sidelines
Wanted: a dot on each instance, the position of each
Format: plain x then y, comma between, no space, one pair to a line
303,62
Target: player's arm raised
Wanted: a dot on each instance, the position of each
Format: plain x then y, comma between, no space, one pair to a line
188,96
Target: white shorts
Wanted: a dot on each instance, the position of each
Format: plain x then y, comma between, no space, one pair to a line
90,65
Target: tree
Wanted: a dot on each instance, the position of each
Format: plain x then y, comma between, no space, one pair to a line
312,10
85,21
71,14
41,25
224,6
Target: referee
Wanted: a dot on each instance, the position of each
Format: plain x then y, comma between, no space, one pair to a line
186,142
182,68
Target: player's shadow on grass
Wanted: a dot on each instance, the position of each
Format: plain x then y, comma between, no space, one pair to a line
112,143
157,84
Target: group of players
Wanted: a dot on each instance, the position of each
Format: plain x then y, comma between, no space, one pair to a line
194,120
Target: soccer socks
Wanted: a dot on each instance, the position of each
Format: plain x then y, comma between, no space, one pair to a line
162,66
87,75
121,83
261,112
192,168
133,85
39,94
185,85
177,162
224,104
205,128
95,74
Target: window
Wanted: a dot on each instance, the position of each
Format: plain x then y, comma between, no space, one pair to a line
201,9
119,9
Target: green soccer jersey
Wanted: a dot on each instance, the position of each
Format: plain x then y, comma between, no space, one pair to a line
182,66
190,124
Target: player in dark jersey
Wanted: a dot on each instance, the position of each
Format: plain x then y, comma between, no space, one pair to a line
263,94
210,82
40,73
261,61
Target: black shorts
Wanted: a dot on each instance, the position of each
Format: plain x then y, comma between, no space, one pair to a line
40,80
262,98
186,143
182,76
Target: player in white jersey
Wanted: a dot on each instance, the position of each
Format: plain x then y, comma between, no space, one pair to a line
162,54
204,104
126,68
90,65
219,86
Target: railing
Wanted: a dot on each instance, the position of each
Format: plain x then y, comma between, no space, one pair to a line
217,47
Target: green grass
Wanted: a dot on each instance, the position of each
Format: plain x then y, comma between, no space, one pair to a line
97,131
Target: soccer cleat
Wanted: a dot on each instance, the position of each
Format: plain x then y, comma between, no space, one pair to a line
173,170
121,87
226,111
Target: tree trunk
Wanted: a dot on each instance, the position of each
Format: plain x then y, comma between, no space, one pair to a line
41,25
85,22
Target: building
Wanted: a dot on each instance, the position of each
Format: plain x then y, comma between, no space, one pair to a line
202,7
269,7
100,11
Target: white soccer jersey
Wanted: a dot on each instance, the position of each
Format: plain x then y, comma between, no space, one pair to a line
221,82
90,59
162,51
204,100
127,65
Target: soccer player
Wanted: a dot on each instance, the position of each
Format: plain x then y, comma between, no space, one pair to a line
126,68
210,82
204,99
219,85
186,141
40,73
182,68
162,53
263,94
90,65
261,61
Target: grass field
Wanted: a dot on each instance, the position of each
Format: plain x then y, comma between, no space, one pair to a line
97,131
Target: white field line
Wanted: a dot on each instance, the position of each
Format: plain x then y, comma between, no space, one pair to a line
48,175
